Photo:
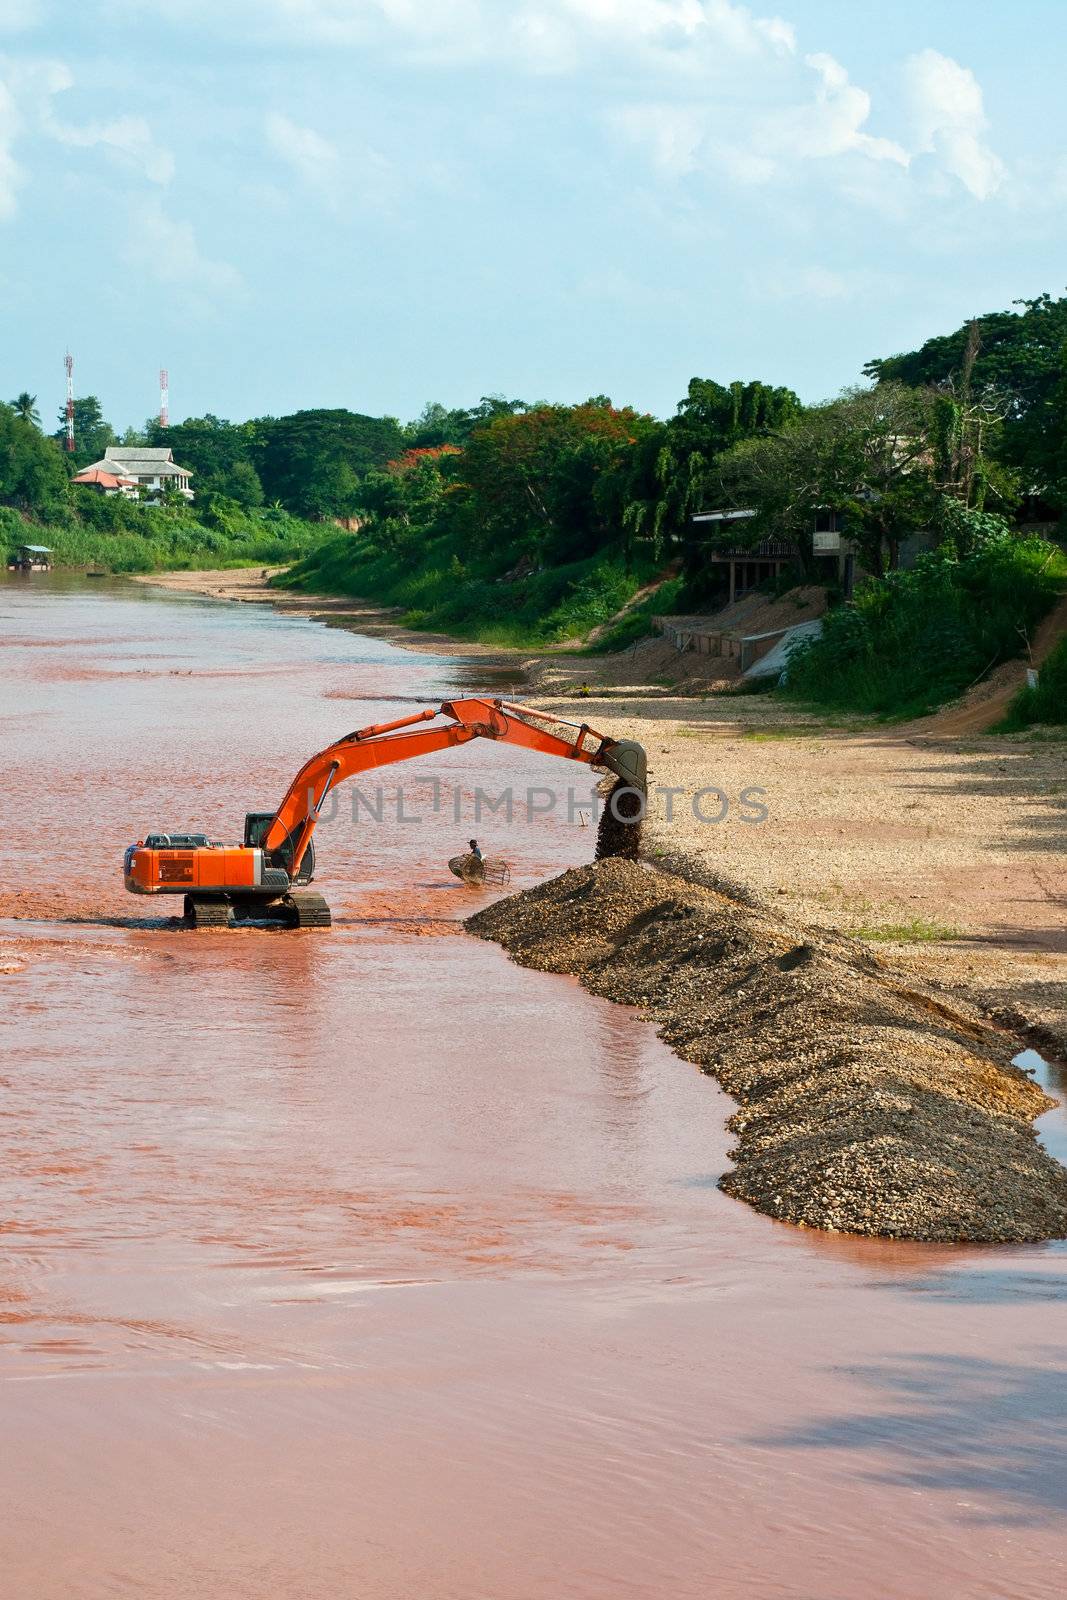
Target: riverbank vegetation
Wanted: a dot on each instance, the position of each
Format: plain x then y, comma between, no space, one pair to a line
1045,702
918,637
538,524
265,492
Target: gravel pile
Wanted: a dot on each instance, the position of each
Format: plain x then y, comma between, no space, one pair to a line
865,1106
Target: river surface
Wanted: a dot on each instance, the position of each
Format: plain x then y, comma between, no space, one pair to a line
366,1263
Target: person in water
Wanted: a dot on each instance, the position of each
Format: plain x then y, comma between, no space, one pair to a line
474,850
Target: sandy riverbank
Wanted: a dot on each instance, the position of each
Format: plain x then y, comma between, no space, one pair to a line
252,586
956,844
867,1106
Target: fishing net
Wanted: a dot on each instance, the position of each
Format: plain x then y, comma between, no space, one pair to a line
481,869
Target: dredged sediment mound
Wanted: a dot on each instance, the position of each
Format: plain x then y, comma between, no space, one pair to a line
865,1106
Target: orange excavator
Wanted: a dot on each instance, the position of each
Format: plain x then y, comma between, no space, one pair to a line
265,879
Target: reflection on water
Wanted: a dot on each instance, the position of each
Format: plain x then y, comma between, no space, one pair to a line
370,1263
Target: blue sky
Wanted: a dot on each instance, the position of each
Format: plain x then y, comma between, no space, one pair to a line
375,203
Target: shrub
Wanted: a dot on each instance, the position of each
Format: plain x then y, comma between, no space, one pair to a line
914,639
1048,701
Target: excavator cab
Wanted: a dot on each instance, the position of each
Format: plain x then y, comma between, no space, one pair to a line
257,826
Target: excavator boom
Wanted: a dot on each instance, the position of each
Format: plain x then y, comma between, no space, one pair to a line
267,874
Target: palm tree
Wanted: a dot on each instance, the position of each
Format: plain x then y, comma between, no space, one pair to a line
25,406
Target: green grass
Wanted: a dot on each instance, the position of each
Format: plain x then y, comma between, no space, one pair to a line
918,638
165,541
437,590
799,731
1047,703
917,931
637,624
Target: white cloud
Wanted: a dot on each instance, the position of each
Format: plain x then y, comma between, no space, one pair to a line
672,135
752,144
167,250
948,115
128,140
17,16
26,91
10,173
698,85
315,159
362,174
539,33
741,163
833,123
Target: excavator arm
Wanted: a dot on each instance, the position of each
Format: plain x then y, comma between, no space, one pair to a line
383,743
266,876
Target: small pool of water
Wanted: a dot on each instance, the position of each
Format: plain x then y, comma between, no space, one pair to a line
1052,1076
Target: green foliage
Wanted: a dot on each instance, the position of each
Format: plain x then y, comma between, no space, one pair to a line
916,638
637,623
445,589
32,476
218,453
116,535
24,406
1018,360
916,931
92,433
672,473
969,530
530,481
437,425
865,456
312,461
1047,703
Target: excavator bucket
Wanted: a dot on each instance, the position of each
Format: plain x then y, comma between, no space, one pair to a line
627,759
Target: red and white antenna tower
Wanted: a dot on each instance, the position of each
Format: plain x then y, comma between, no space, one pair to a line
68,362
164,398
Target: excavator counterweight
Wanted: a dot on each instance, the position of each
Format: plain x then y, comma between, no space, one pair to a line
265,878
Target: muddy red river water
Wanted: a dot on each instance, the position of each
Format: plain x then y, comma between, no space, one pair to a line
365,1263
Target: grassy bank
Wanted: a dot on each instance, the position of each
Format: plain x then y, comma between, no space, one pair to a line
157,539
918,638
1046,703
438,590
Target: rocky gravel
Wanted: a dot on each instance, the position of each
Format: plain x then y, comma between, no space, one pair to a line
867,1104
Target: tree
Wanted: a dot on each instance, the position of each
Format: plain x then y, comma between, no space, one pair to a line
92,434
1017,366
243,485
312,461
401,506
672,470
24,406
32,478
867,456
437,425
217,452
531,479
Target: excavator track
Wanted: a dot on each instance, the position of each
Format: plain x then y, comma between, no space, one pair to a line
309,910
201,912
